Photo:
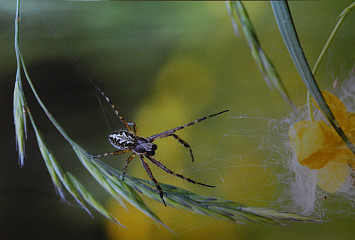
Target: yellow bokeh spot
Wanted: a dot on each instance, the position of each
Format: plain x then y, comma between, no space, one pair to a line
186,79
250,183
186,226
160,114
139,226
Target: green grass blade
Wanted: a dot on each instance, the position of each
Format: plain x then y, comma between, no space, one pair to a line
229,6
341,19
115,186
131,196
289,35
85,160
49,115
53,172
277,217
60,177
209,206
56,172
91,200
19,112
19,102
265,65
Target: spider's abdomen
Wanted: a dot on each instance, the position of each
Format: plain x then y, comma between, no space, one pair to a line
123,139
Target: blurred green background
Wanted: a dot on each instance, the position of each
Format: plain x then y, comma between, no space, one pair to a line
163,64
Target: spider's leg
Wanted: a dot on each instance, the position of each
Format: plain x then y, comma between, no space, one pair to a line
171,131
135,130
159,164
112,153
114,109
150,174
126,165
185,144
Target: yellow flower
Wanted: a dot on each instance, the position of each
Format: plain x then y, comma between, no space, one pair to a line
318,146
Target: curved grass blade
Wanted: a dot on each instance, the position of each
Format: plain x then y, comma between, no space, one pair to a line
91,200
114,185
209,206
284,20
265,65
60,177
19,105
341,19
229,6
54,170
57,174
19,102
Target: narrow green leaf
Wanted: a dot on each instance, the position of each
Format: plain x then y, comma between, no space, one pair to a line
56,172
20,120
44,108
210,206
278,216
85,159
68,184
265,65
341,19
91,200
229,6
73,186
48,159
19,99
284,20
127,191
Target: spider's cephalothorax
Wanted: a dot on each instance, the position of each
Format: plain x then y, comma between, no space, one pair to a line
128,140
144,147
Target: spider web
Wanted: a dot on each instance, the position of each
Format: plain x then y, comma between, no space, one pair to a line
296,184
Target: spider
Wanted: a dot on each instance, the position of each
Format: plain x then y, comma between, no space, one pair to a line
129,140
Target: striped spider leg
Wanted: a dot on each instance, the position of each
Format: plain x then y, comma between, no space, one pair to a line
129,140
